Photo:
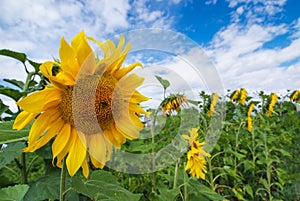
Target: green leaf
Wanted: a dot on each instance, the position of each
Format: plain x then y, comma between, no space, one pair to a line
249,190
15,82
3,107
16,55
44,188
165,193
204,191
163,82
12,93
35,65
13,193
103,186
8,135
12,151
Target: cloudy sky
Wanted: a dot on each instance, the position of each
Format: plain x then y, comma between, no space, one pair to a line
253,44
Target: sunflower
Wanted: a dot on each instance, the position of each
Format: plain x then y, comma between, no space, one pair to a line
243,96
196,155
234,96
89,104
249,119
173,103
272,102
295,96
214,101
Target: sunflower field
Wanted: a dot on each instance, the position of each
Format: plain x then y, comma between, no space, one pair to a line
254,137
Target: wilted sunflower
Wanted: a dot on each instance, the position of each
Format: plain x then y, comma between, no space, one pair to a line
214,101
89,105
272,102
173,103
196,155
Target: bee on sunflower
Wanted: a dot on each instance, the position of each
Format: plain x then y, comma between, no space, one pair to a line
88,106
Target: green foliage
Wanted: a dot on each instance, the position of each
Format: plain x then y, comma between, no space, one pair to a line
7,135
103,186
10,153
13,193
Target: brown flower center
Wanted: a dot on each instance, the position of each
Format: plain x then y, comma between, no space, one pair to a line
88,104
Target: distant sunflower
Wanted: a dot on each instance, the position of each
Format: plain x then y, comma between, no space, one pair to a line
295,96
243,96
196,155
90,104
249,119
214,101
173,103
234,96
272,102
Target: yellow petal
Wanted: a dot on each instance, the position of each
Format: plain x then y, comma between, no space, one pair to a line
61,140
123,71
77,154
52,132
85,168
23,119
83,49
89,65
138,97
60,79
97,148
68,59
41,123
36,101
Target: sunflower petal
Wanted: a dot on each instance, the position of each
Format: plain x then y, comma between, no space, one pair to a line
23,119
36,101
97,148
85,168
123,71
77,154
61,140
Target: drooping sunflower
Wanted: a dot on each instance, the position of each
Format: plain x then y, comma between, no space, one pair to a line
243,96
295,96
249,119
272,101
234,96
173,103
196,155
89,105
214,101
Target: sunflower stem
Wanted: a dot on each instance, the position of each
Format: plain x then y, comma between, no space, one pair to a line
176,173
63,181
23,169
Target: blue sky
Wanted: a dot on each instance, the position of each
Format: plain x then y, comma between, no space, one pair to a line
252,43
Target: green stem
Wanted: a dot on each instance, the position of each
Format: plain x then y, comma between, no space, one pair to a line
23,169
176,173
211,178
63,181
185,191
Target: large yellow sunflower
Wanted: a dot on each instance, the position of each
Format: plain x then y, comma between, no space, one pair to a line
89,105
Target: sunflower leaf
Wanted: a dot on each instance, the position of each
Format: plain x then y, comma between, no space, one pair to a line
16,55
12,151
103,186
163,82
44,188
15,193
15,82
200,190
8,135
3,107
12,93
